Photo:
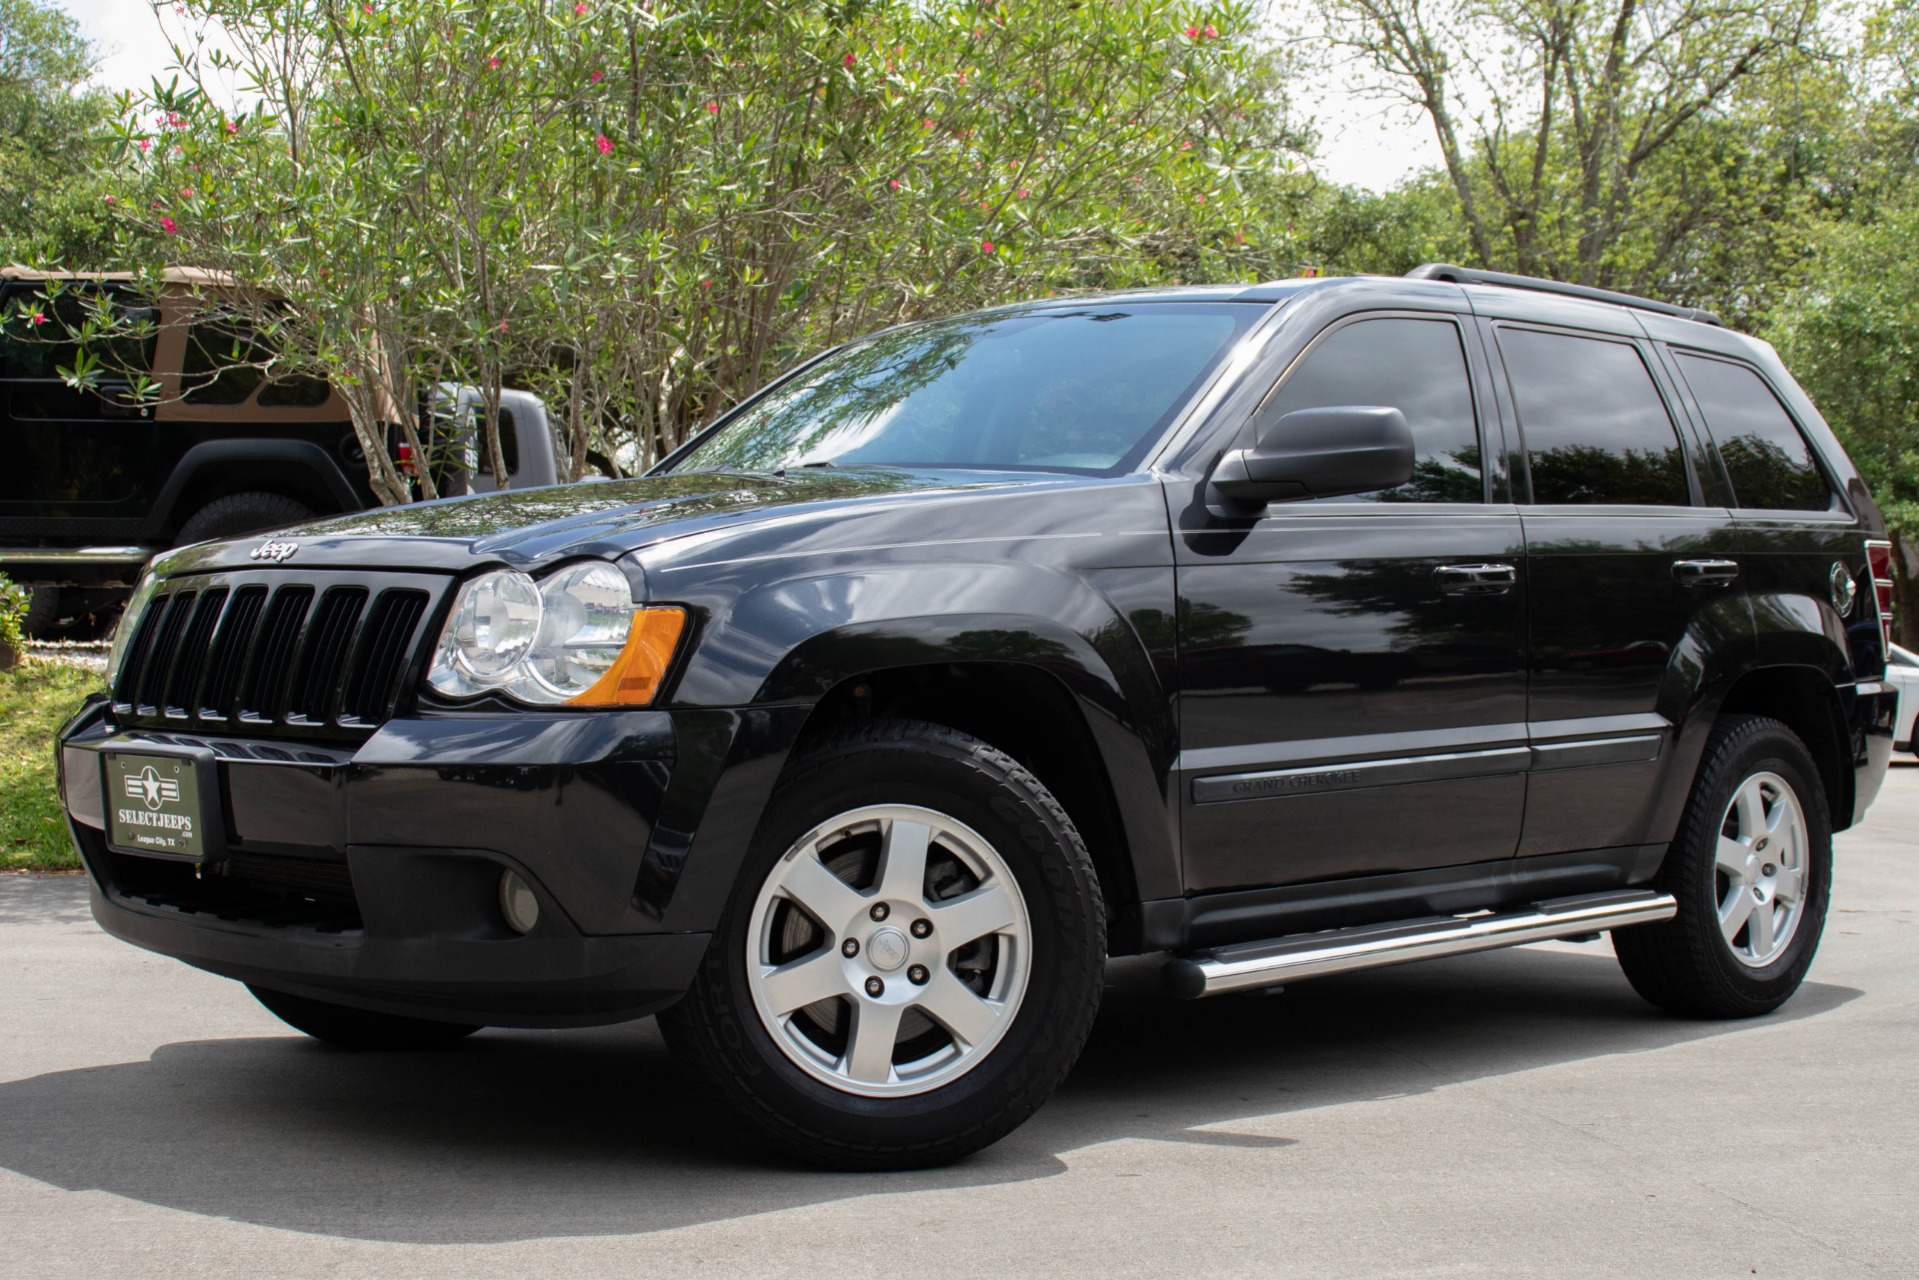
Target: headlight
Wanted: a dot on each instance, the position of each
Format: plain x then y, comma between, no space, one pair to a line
129,623
575,638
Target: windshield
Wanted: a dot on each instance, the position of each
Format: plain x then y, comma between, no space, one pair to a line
1086,390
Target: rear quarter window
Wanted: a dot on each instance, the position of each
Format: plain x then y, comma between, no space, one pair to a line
1767,458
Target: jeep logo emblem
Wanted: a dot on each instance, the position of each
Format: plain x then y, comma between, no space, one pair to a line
274,551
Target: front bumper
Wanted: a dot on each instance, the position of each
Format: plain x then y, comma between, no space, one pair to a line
371,876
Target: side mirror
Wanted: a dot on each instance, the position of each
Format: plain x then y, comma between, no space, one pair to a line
1319,453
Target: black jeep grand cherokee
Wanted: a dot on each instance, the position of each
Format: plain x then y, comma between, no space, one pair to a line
1284,630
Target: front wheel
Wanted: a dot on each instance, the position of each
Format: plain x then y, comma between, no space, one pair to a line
911,959
1752,873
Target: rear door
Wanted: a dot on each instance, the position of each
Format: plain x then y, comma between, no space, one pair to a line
1795,532
1633,577
1352,691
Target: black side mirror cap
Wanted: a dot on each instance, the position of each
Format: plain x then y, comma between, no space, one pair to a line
1318,453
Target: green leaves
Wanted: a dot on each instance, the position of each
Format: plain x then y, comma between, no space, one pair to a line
645,209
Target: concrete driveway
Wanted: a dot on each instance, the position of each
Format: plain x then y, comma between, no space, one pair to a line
1519,1113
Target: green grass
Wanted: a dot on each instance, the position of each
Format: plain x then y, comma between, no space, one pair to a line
36,698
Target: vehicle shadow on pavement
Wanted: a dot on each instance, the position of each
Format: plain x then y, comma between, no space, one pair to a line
519,1135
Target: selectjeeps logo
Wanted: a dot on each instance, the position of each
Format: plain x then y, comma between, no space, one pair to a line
274,551
152,789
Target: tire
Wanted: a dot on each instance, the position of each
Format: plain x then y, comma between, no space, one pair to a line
42,618
1024,991
1756,782
239,514
350,1028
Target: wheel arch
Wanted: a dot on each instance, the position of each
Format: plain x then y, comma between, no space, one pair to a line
297,469
1804,699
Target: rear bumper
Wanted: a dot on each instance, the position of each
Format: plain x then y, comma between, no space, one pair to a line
371,877
1870,713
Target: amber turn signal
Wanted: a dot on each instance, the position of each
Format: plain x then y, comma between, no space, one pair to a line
635,675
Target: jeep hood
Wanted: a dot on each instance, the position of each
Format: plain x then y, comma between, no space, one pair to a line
530,527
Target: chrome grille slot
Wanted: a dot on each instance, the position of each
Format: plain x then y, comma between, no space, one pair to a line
138,648
183,684
386,642
275,654
323,657
230,651
263,686
150,690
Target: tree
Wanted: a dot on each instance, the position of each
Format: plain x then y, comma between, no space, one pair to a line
51,143
1629,144
647,208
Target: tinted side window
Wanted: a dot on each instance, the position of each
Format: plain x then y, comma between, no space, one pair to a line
1769,462
1415,366
1595,427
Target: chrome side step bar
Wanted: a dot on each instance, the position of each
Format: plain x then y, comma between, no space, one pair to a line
1249,965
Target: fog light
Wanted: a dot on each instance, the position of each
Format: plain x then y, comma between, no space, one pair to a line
517,903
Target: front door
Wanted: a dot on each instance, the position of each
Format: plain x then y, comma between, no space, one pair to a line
1352,688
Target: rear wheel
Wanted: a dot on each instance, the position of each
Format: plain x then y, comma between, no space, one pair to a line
911,959
350,1028
239,514
1752,873
43,613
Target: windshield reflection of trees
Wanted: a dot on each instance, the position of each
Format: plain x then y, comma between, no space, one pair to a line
849,394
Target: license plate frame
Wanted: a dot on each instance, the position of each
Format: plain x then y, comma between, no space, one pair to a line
163,802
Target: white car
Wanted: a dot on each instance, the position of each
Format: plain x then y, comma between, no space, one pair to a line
1902,670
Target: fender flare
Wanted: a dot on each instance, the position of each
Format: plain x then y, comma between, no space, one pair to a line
300,453
1097,657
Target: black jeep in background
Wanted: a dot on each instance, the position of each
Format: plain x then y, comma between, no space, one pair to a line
96,483
1281,631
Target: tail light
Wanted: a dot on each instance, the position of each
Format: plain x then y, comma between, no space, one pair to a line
1879,561
406,463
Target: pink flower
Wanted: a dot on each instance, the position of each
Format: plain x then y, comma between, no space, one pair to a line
1240,236
1186,146
605,144
986,246
926,123
502,326
187,192
233,126
169,226
849,59
1212,32
892,183
712,108
596,77
107,198
36,319
705,283
1202,199
493,63
962,77
1022,193
1192,33
146,145
579,8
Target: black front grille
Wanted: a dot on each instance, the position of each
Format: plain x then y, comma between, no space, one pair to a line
267,653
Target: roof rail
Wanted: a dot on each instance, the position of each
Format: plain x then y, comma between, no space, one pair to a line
1472,275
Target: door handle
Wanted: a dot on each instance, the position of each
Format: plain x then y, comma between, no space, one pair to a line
1705,573
1475,579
